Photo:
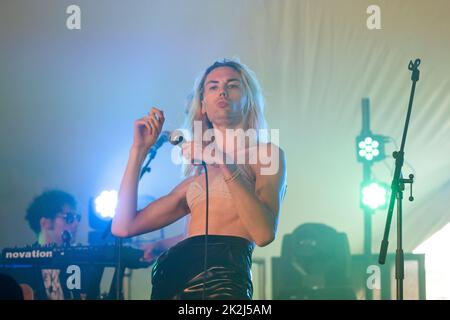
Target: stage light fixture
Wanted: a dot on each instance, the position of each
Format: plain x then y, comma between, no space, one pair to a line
102,209
374,195
370,148
106,203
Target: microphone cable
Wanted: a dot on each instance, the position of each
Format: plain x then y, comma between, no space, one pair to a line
205,261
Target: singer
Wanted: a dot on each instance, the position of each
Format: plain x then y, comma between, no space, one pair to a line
243,203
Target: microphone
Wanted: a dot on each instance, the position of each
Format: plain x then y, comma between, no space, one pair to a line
66,238
176,137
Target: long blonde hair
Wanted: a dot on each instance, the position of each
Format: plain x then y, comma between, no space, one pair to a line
253,109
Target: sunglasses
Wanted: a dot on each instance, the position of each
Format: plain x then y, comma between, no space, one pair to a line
70,217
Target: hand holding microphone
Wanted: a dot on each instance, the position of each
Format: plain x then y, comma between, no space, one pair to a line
147,129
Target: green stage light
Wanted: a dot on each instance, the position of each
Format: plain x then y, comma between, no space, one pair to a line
374,195
370,148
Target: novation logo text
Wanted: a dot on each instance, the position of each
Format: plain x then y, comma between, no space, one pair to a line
34,254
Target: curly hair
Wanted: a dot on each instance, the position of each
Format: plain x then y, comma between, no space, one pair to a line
47,205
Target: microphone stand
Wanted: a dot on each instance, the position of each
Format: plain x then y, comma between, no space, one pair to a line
152,152
397,187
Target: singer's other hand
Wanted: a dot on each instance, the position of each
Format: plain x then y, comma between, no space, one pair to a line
147,129
196,153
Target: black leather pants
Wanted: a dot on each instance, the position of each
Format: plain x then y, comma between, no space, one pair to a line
179,273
